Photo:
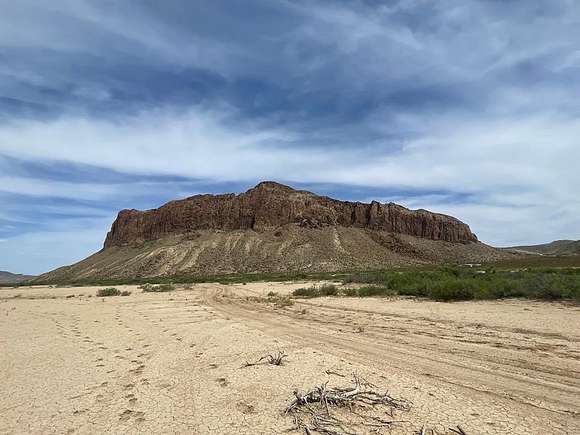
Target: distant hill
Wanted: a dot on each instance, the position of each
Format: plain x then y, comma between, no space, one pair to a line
274,228
13,278
559,247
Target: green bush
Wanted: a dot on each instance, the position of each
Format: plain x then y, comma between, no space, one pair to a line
316,292
350,292
456,283
452,290
369,291
328,290
310,292
109,291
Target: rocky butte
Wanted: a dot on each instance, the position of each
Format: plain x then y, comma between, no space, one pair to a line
270,205
274,228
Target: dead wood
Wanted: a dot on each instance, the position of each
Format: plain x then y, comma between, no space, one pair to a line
344,411
275,360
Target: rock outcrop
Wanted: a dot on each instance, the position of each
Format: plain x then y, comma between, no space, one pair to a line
273,228
270,205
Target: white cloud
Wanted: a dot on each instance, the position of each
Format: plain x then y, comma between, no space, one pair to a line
83,191
534,156
39,252
197,143
515,151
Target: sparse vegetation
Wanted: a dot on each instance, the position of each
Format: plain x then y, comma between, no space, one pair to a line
458,283
109,291
547,278
555,262
125,293
316,291
160,288
283,302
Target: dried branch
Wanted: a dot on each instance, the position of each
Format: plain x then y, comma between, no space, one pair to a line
275,360
331,372
356,407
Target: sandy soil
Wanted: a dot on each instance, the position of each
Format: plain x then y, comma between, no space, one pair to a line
171,362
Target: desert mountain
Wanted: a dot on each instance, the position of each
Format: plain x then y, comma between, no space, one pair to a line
558,247
13,278
273,227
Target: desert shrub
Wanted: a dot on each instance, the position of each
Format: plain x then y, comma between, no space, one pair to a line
452,290
109,291
306,292
272,294
160,288
373,290
316,292
456,283
350,292
125,293
328,290
550,286
283,302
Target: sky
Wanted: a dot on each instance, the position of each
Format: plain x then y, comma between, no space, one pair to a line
464,107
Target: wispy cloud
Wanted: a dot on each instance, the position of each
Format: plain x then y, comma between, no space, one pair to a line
467,107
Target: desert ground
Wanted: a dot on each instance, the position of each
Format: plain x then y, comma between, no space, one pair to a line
173,362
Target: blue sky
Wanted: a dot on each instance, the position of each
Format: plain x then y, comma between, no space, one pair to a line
463,107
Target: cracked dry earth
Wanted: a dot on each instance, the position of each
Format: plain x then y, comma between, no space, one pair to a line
171,362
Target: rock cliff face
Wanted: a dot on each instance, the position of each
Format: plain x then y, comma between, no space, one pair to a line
273,228
270,205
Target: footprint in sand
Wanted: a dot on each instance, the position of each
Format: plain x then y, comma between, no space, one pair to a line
138,370
222,382
125,415
245,408
131,398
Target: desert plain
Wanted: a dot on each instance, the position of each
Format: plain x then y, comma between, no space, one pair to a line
173,362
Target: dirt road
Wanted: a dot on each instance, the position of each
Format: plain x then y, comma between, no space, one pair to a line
171,362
